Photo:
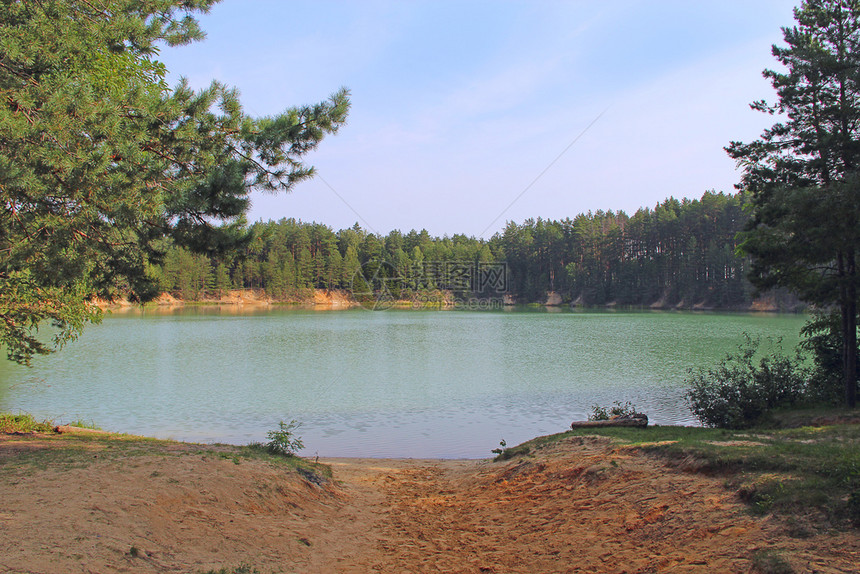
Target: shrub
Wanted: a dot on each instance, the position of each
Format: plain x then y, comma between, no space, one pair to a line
599,413
503,446
737,393
284,441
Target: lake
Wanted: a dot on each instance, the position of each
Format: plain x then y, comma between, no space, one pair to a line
395,383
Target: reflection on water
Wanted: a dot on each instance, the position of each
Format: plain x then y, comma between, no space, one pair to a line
393,383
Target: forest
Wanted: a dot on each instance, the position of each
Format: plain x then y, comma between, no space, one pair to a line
678,253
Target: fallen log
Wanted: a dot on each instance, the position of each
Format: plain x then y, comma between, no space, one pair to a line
77,430
638,420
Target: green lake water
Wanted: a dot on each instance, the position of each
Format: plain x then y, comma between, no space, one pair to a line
396,383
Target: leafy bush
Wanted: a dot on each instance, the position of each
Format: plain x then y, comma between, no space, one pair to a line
599,413
503,446
737,393
283,441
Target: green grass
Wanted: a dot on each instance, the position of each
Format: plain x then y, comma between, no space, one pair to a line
631,436
806,473
80,423
807,416
793,472
24,423
76,451
80,450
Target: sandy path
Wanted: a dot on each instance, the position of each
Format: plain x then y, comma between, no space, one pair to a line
583,505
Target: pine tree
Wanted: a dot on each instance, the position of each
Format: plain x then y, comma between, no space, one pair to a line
222,278
334,269
273,277
99,159
351,266
802,173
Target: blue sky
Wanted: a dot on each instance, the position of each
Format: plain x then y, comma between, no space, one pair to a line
468,114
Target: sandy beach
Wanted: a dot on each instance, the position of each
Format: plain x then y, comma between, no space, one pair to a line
584,504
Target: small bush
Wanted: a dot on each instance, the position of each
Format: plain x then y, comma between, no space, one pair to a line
502,447
283,441
599,413
737,393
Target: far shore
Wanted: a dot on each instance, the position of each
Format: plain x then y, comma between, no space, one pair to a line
342,299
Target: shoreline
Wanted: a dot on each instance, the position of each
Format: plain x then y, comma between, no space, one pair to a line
342,300
577,503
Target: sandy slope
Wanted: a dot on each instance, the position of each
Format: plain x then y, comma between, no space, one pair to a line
583,505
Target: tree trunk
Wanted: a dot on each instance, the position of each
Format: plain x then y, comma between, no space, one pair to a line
849,353
850,336
849,329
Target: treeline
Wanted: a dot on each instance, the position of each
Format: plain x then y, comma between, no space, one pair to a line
288,257
681,252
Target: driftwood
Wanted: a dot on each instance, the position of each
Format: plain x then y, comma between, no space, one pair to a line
77,430
637,420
